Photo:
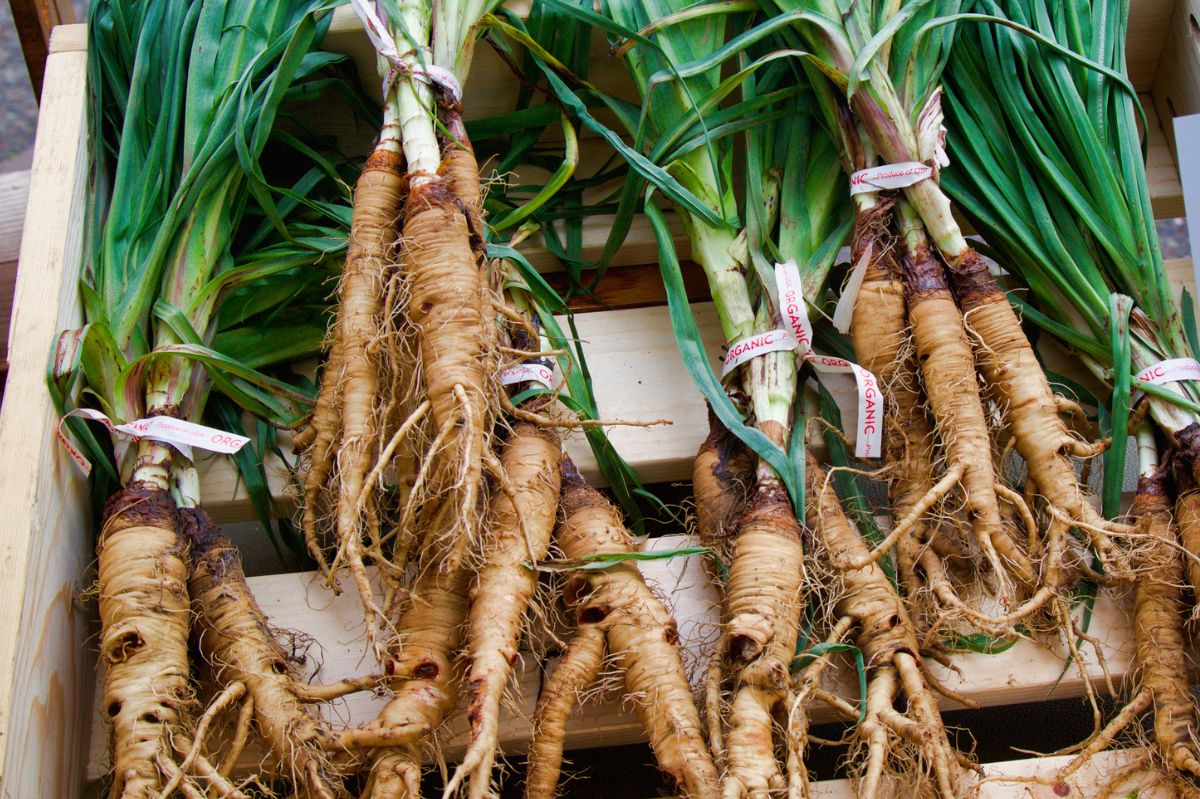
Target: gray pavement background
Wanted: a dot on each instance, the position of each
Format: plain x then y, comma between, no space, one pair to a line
18,110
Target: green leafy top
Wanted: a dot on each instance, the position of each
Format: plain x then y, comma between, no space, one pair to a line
191,252
1049,165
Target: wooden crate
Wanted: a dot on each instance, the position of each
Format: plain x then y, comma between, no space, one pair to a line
47,663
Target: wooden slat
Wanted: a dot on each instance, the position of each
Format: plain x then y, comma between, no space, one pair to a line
14,194
46,541
1149,22
644,379
1162,176
1012,780
1028,672
8,284
68,39
628,287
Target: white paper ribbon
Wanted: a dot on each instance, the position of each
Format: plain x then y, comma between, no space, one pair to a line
1171,371
868,443
797,334
181,434
751,347
792,306
385,45
891,176
528,373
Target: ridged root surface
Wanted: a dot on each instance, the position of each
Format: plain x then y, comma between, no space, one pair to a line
519,530
144,617
948,366
885,635
1016,378
762,595
879,329
423,677
234,637
1158,631
720,475
447,292
345,421
577,670
641,635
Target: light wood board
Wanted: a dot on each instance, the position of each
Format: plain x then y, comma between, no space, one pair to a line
14,194
46,539
1012,780
1028,672
644,380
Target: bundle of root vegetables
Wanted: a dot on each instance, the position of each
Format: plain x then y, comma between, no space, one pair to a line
434,478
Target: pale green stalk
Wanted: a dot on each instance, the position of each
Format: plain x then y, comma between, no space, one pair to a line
413,97
1147,449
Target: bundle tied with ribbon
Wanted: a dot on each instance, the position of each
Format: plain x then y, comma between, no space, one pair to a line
796,334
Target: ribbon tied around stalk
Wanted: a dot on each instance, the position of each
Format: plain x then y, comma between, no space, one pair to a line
797,334
400,63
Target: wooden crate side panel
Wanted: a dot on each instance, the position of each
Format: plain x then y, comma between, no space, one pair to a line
46,538
1149,23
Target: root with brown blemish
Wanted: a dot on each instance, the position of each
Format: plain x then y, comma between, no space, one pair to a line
423,679
520,525
1163,683
884,633
345,420
232,634
641,636
144,615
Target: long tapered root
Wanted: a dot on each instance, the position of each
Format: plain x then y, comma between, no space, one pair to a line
1158,634
641,636
144,615
234,637
578,669
423,678
341,439
447,293
1015,375
520,526
317,440
948,365
1187,517
880,331
886,636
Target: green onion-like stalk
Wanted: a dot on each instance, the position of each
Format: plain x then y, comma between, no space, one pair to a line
1049,166
185,97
